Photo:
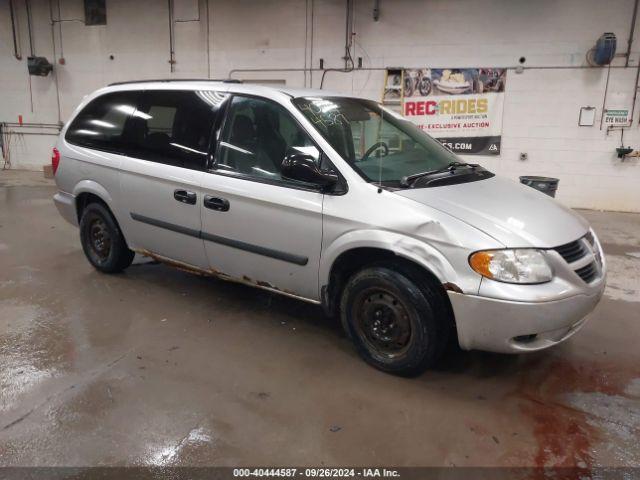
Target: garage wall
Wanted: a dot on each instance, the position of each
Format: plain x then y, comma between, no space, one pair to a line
541,104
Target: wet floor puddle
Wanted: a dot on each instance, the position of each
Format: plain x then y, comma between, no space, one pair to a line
33,348
584,415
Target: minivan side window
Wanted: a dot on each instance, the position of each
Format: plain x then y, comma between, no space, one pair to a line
256,136
174,127
101,123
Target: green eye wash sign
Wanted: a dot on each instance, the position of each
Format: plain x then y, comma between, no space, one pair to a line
616,116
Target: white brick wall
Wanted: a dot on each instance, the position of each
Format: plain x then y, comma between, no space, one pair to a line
541,105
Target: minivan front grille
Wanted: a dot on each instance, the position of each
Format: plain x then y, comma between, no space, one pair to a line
588,272
572,251
584,249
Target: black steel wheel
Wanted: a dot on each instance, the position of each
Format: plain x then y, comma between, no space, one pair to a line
398,319
382,321
102,241
99,240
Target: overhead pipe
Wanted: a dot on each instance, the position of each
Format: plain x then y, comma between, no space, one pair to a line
631,32
348,40
32,125
311,45
13,31
27,4
306,38
208,40
635,91
172,33
53,134
53,30
53,46
604,97
348,43
234,71
172,51
59,21
59,31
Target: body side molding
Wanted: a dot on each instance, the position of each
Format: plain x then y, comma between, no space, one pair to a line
229,242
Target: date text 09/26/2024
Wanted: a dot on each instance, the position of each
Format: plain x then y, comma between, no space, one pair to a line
316,472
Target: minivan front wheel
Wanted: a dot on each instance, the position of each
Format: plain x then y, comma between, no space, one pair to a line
392,318
102,241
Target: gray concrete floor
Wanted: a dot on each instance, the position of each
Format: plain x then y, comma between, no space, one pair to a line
160,367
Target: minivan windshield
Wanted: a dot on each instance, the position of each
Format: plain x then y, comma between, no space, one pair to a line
378,143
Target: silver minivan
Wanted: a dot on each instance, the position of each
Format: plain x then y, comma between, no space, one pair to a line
331,199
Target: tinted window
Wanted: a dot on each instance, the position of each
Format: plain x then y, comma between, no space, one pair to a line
256,136
101,123
175,127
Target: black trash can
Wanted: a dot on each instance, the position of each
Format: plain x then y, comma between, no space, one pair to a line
546,185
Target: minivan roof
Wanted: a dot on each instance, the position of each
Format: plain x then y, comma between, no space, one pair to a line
229,85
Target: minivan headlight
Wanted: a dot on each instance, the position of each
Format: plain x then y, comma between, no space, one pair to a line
520,265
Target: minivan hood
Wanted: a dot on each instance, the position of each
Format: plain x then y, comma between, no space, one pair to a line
513,214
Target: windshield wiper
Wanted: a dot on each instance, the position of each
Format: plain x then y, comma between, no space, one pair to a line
408,180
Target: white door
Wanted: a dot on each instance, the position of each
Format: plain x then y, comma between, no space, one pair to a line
257,226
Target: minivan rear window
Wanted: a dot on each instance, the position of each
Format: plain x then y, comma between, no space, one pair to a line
175,126
101,123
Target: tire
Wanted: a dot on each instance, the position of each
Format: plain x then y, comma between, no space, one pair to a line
408,87
425,86
407,302
102,241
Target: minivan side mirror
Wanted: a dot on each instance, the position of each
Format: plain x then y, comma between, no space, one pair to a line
303,167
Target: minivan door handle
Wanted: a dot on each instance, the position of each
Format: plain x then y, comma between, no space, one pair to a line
184,196
215,203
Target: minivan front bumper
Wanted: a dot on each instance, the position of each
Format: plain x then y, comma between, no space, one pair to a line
507,326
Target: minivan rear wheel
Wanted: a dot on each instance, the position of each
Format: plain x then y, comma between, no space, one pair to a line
102,241
397,322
